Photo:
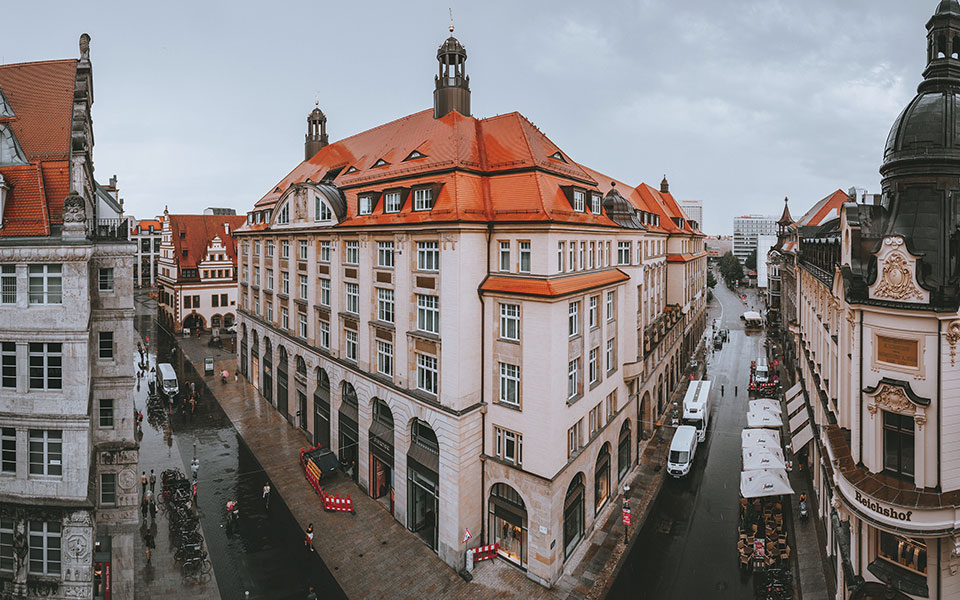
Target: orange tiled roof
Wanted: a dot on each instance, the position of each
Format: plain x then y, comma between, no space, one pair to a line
822,209
686,257
41,97
551,287
199,230
144,225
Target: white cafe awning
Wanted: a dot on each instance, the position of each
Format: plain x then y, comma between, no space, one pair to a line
763,483
763,418
754,438
765,404
769,457
794,398
801,431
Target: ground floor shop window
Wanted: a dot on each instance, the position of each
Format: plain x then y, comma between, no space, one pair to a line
422,503
508,523
601,490
909,553
573,515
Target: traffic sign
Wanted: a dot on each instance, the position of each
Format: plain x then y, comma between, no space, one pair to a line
466,536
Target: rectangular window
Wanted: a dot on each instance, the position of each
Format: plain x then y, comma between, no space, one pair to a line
595,204
510,322
8,450
509,446
579,201
46,452
583,250
573,370
106,279
256,276
573,321
6,545
284,317
595,420
269,279
215,300
270,311
391,202
592,311
611,312
351,345
907,553
423,199
44,544
325,252
256,306
302,324
105,345
269,249
256,248
8,365
611,401
322,212
46,366
428,256
385,254
573,438
8,284
594,368
385,305
898,444
606,255
385,358
303,286
325,292
611,356
106,413
353,298
590,255
325,335
524,257
560,257
623,253
352,254
284,283
428,313
426,373
46,284
366,205
570,261
510,384
504,256
108,489
284,249
303,250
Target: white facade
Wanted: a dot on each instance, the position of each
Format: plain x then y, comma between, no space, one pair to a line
764,243
693,210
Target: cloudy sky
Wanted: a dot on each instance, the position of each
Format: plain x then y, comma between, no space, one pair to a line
740,102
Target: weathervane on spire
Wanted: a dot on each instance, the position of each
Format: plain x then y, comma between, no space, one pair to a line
451,21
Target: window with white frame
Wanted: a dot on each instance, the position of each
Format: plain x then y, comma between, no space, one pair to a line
8,284
46,452
385,305
303,286
284,317
510,322
325,292
504,256
525,257
46,284
510,384
428,313
351,344
595,420
105,345
325,252
366,205
423,199
45,549
256,276
611,300
428,256
105,279
8,365
245,274
573,321
573,375
623,253
46,366
269,249
325,335
573,438
302,325
579,201
270,311
283,216
426,373
385,254
106,413
570,262
593,367
269,279
611,355
303,250
611,401
323,212
590,255
108,489
583,250
352,298
352,255
385,358
595,202
285,282
606,255
284,249
8,448
391,202
560,257
256,305
508,445
256,248
592,311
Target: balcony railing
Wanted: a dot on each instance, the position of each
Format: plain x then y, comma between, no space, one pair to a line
111,229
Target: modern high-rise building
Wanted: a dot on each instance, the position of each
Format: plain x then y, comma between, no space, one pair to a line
68,482
483,325
694,211
745,232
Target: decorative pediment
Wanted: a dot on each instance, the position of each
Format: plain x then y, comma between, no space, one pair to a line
896,279
895,395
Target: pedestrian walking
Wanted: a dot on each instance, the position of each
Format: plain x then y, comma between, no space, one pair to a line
143,508
148,497
143,483
309,541
149,543
195,467
153,509
311,594
153,480
266,494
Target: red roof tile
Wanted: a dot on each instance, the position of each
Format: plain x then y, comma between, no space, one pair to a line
551,287
687,257
198,231
822,209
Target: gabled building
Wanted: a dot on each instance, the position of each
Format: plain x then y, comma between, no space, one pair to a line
68,483
147,235
197,280
484,326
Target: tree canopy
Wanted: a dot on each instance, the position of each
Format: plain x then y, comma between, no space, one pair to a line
751,262
730,267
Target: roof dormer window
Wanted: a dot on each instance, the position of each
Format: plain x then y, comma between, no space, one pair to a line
366,205
415,155
392,201
595,203
380,163
5,109
351,170
283,216
579,201
423,199
558,156
10,151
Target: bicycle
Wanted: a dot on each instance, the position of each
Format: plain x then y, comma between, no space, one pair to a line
195,567
189,551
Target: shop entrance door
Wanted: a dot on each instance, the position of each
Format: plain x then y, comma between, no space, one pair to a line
422,507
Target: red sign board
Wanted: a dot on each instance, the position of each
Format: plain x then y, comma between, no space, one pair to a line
106,581
626,516
758,548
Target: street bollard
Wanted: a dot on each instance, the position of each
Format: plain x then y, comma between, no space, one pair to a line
470,552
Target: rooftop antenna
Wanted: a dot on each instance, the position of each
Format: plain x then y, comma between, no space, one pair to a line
451,21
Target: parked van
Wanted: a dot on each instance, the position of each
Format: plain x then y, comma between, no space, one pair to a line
696,407
763,370
167,379
682,449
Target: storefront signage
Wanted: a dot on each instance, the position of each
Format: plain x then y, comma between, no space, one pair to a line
381,445
885,511
898,351
626,516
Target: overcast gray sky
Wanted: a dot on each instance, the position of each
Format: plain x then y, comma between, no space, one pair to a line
740,102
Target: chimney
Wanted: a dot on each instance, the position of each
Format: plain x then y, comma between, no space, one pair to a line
226,227
113,181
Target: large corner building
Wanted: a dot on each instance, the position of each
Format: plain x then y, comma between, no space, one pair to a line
483,325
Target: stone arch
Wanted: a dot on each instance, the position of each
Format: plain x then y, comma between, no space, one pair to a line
321,409
194,321
602,478
216,321
507,520
229,319
573,515
283,380
624,451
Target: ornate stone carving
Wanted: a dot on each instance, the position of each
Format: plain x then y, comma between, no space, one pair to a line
954,563
78,518
41,254
300,204
74,209
852,321
894,399
127,479
920,419
953,336
896,280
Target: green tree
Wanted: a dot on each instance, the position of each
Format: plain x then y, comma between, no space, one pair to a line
711,280
730,268
751,261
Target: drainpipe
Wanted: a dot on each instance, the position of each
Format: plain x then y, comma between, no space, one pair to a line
483,405
860,390
939,406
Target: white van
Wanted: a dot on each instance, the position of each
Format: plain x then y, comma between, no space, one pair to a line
167,379
682,449
763,370
696,407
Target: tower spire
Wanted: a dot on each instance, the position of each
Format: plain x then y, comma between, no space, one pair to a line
316,137
452,85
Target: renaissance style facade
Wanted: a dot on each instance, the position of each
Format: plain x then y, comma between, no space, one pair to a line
877,333
68,483
483,325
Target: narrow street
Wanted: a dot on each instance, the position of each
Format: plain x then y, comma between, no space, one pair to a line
687,548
